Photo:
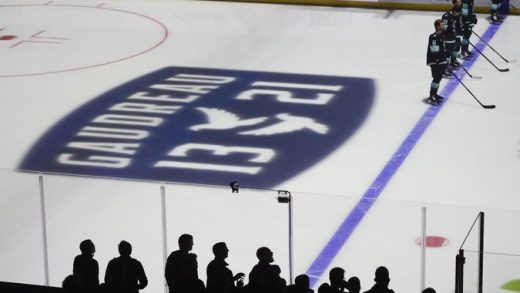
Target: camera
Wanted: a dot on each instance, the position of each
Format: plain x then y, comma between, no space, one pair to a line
234,186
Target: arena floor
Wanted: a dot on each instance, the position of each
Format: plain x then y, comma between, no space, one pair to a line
153,107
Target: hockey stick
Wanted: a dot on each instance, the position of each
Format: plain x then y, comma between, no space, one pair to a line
483,106
487,44
499,69
469,74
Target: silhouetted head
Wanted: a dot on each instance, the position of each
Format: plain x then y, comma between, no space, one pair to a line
336,275
87,247
428,290
220,250
382,275
71,284
302,282
354,285
125,248
277,270
264,255
186,242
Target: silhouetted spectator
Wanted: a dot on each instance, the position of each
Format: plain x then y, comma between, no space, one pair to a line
382,280
86,267
263,278
220,277
337,282
125,274
181,268
301,285
353,285
72,284
281,283
428,290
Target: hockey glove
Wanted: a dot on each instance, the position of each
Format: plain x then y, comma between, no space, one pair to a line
474,19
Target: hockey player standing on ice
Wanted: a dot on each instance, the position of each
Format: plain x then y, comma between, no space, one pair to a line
495,8
469,20
450,37
459,30
436,59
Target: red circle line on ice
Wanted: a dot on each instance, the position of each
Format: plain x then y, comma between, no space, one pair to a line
7,38
433,241
152,46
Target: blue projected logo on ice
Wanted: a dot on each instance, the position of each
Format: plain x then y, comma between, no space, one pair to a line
207,126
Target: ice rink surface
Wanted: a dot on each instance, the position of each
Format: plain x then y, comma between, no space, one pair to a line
58,56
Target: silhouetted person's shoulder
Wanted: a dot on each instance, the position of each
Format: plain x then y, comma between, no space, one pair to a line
324,288
379,289
219,277
181,256
180,265
301,285
87,269
295,289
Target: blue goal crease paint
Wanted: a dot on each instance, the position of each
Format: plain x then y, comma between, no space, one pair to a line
352,220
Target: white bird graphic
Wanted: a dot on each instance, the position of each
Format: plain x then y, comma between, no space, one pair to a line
219,119
289,124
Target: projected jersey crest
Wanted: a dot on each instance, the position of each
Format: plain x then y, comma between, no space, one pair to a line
207,126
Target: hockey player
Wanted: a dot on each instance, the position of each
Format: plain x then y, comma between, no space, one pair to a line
436,59
450,37
459,29
495,8
469,20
